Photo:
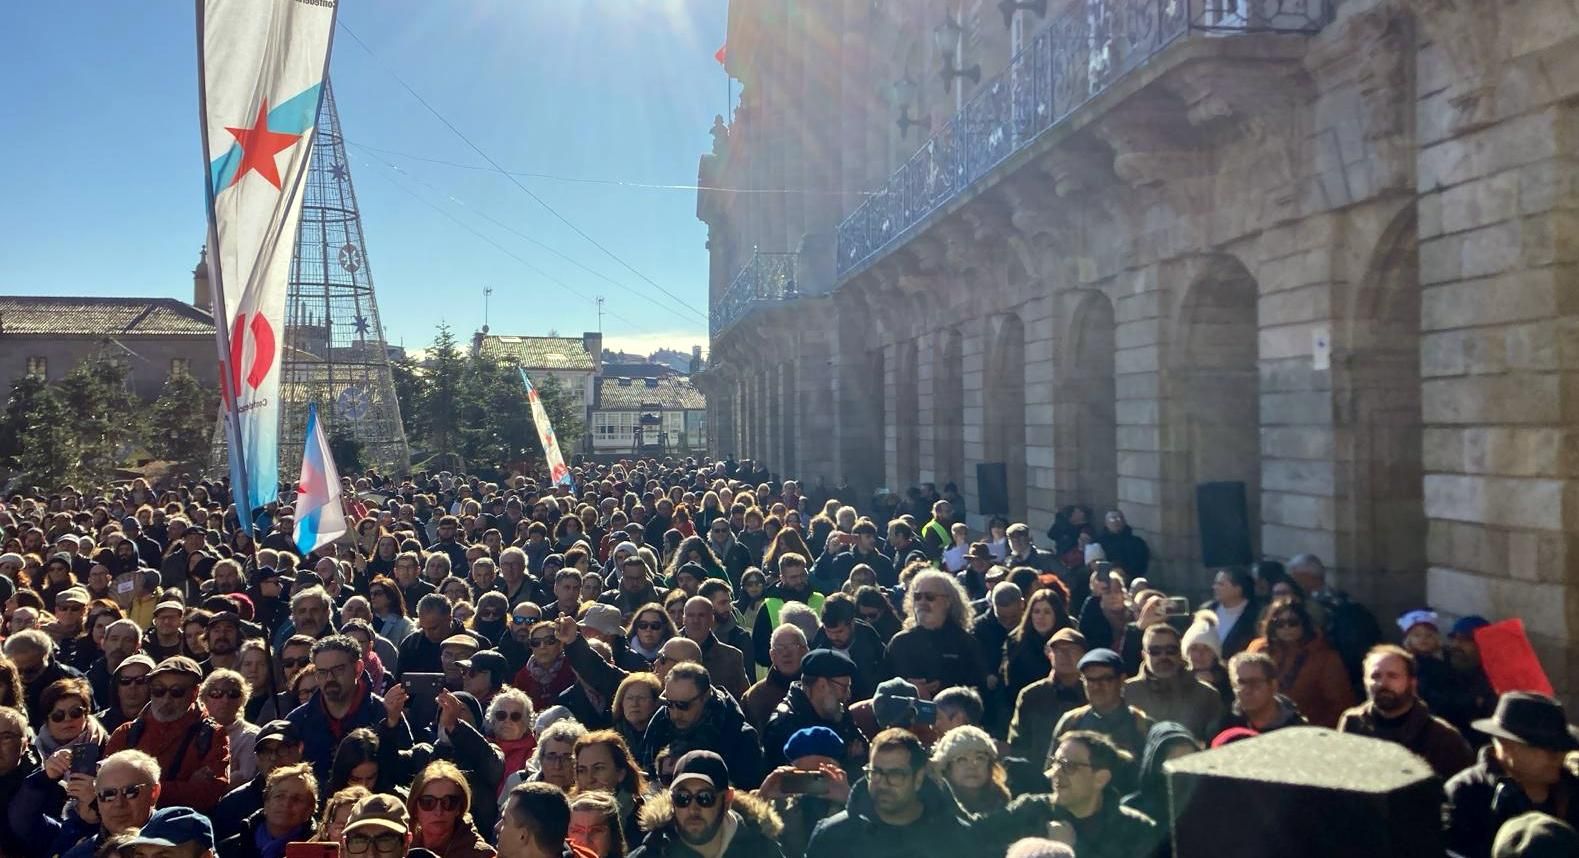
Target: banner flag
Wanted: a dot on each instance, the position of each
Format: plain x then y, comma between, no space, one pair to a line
557,472
261,67
320,516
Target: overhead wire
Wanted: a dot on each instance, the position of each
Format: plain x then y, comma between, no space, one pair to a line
513,180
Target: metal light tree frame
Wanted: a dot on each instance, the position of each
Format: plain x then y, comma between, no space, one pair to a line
335,354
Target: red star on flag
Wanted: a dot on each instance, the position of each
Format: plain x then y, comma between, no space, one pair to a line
259,145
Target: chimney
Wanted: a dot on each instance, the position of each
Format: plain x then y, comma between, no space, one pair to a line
477,337
202,294
592,341
696,359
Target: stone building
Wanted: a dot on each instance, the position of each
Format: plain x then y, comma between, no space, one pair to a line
151,337
657,412
574,362
1130,246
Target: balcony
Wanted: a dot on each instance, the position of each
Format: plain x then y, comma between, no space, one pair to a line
1075,58
766,279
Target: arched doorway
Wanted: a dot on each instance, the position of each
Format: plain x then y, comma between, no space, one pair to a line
1089,397
948,409
1004,391
907,419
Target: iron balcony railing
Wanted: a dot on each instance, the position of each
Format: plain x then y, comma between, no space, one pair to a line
1076,57
766,279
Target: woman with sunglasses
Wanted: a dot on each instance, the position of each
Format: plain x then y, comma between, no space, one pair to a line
68,720
1310,671
878,612
221,695
440,807
547,671
750,596
509,728
649,628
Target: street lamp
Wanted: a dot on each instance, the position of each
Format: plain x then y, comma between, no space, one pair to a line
946,38
1009,7
903,93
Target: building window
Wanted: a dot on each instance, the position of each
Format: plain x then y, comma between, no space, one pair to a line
38,367
614,426
180,366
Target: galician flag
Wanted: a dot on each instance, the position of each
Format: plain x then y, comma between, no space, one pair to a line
320,517
557,472
262,66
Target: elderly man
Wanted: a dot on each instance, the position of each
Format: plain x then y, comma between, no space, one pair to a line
1107,712
193,751
692,713
1042,703
1167,691
788,650
423,650
820,698
722,661
33,653
120,799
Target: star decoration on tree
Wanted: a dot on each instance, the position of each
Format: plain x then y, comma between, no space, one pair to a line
361,324
339,172
259,145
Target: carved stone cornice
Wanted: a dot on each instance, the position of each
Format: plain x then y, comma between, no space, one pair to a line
1468,34
1077,168
1153,141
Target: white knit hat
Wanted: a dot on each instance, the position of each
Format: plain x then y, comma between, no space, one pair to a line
961,740
1203,631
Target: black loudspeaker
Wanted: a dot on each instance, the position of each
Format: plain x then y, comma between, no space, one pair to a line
1305,792
992,488
1224,522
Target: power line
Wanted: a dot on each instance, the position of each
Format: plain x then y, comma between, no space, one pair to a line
513,180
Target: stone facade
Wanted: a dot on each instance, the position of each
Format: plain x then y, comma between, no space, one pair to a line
1328,264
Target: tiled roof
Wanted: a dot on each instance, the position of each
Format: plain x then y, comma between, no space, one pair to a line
540,352
670,393
91,316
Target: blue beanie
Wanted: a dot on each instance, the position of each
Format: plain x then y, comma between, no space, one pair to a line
814,742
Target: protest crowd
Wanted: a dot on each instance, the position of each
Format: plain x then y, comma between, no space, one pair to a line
687,659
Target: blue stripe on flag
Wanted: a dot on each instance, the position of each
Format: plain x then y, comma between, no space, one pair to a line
295,115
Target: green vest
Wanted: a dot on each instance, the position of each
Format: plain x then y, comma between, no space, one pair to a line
774,604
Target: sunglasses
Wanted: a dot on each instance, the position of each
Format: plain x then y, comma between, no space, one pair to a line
704,798
508,716
680,706
71,714
534,643
222,693
431,802
129,792
289,663
924,596
177,691
522,619
649,627
129,681
356,844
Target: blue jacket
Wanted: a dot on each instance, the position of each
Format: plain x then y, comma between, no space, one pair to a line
320,736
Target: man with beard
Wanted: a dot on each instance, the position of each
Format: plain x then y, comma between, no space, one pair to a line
121,640
635,587
343,702
702,815
820,698
1166,691
449,546
897,811
224,639
724,663
227,578
1106,710
1394,712
1257,704
193,751
794,586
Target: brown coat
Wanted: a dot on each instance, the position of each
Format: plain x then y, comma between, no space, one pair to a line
1320,683
1429,737
762,698
1183,699
726,666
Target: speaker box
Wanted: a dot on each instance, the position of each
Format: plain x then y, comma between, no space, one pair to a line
1305,792
992,488
1224,522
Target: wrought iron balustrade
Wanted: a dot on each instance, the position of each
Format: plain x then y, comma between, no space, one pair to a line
1076,57
765,279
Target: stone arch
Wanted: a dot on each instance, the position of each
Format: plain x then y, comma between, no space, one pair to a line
1086,404
1004,399
1214,402
1379,436
948,408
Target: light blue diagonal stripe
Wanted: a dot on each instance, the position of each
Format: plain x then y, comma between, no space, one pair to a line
296,115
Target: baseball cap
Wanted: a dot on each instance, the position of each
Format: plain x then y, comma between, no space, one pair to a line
380,811
703,766
173,826
461,640
280,729
170,605
491,661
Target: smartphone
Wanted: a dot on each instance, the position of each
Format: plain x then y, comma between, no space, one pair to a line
805,783
1103,570
85,759
1176,606
312,850
926,712
423,690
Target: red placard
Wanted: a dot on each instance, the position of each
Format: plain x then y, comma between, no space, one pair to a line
1509,660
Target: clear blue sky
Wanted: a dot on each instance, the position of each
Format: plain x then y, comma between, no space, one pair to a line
101,166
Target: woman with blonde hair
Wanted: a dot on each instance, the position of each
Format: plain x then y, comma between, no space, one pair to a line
967,759
440,807
337,812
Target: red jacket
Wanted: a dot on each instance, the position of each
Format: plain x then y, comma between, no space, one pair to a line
201,776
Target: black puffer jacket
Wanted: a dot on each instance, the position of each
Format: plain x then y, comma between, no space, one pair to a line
722,729
943,829
796,712
1483,797
756,826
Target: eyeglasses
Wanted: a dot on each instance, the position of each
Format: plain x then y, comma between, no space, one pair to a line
534,643
289,663
649,627
508,716
337,671
128,792
924,596
522,619
177,691
223,693
359,843
71,714
889,775
1162,650
1062,763
448,802
129,681
703,798
680,705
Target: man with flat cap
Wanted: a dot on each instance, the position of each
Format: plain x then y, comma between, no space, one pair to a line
174,832
820,698
279,744
193,751
1522,770
1106,712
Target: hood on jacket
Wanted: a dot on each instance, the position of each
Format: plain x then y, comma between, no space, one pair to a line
657,811
1163,737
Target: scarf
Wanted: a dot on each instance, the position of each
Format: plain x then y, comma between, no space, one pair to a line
516,754
544,676
649,655
274,847
92,732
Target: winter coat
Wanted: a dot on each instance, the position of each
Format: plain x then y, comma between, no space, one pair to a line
795,712
321,734
726,665
762,698
27,826
200,744
1287,716
721,729
948,654
830,571
1427,736
1183,699
1482,797
243,843
1036,712
1312,676
1151,793
867,651
1126,551
1114,831
1024,662
1127,726
756,829
943,829
465,842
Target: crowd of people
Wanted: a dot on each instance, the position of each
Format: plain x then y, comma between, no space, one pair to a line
686,659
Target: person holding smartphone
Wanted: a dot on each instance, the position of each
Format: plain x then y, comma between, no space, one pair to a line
810,788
